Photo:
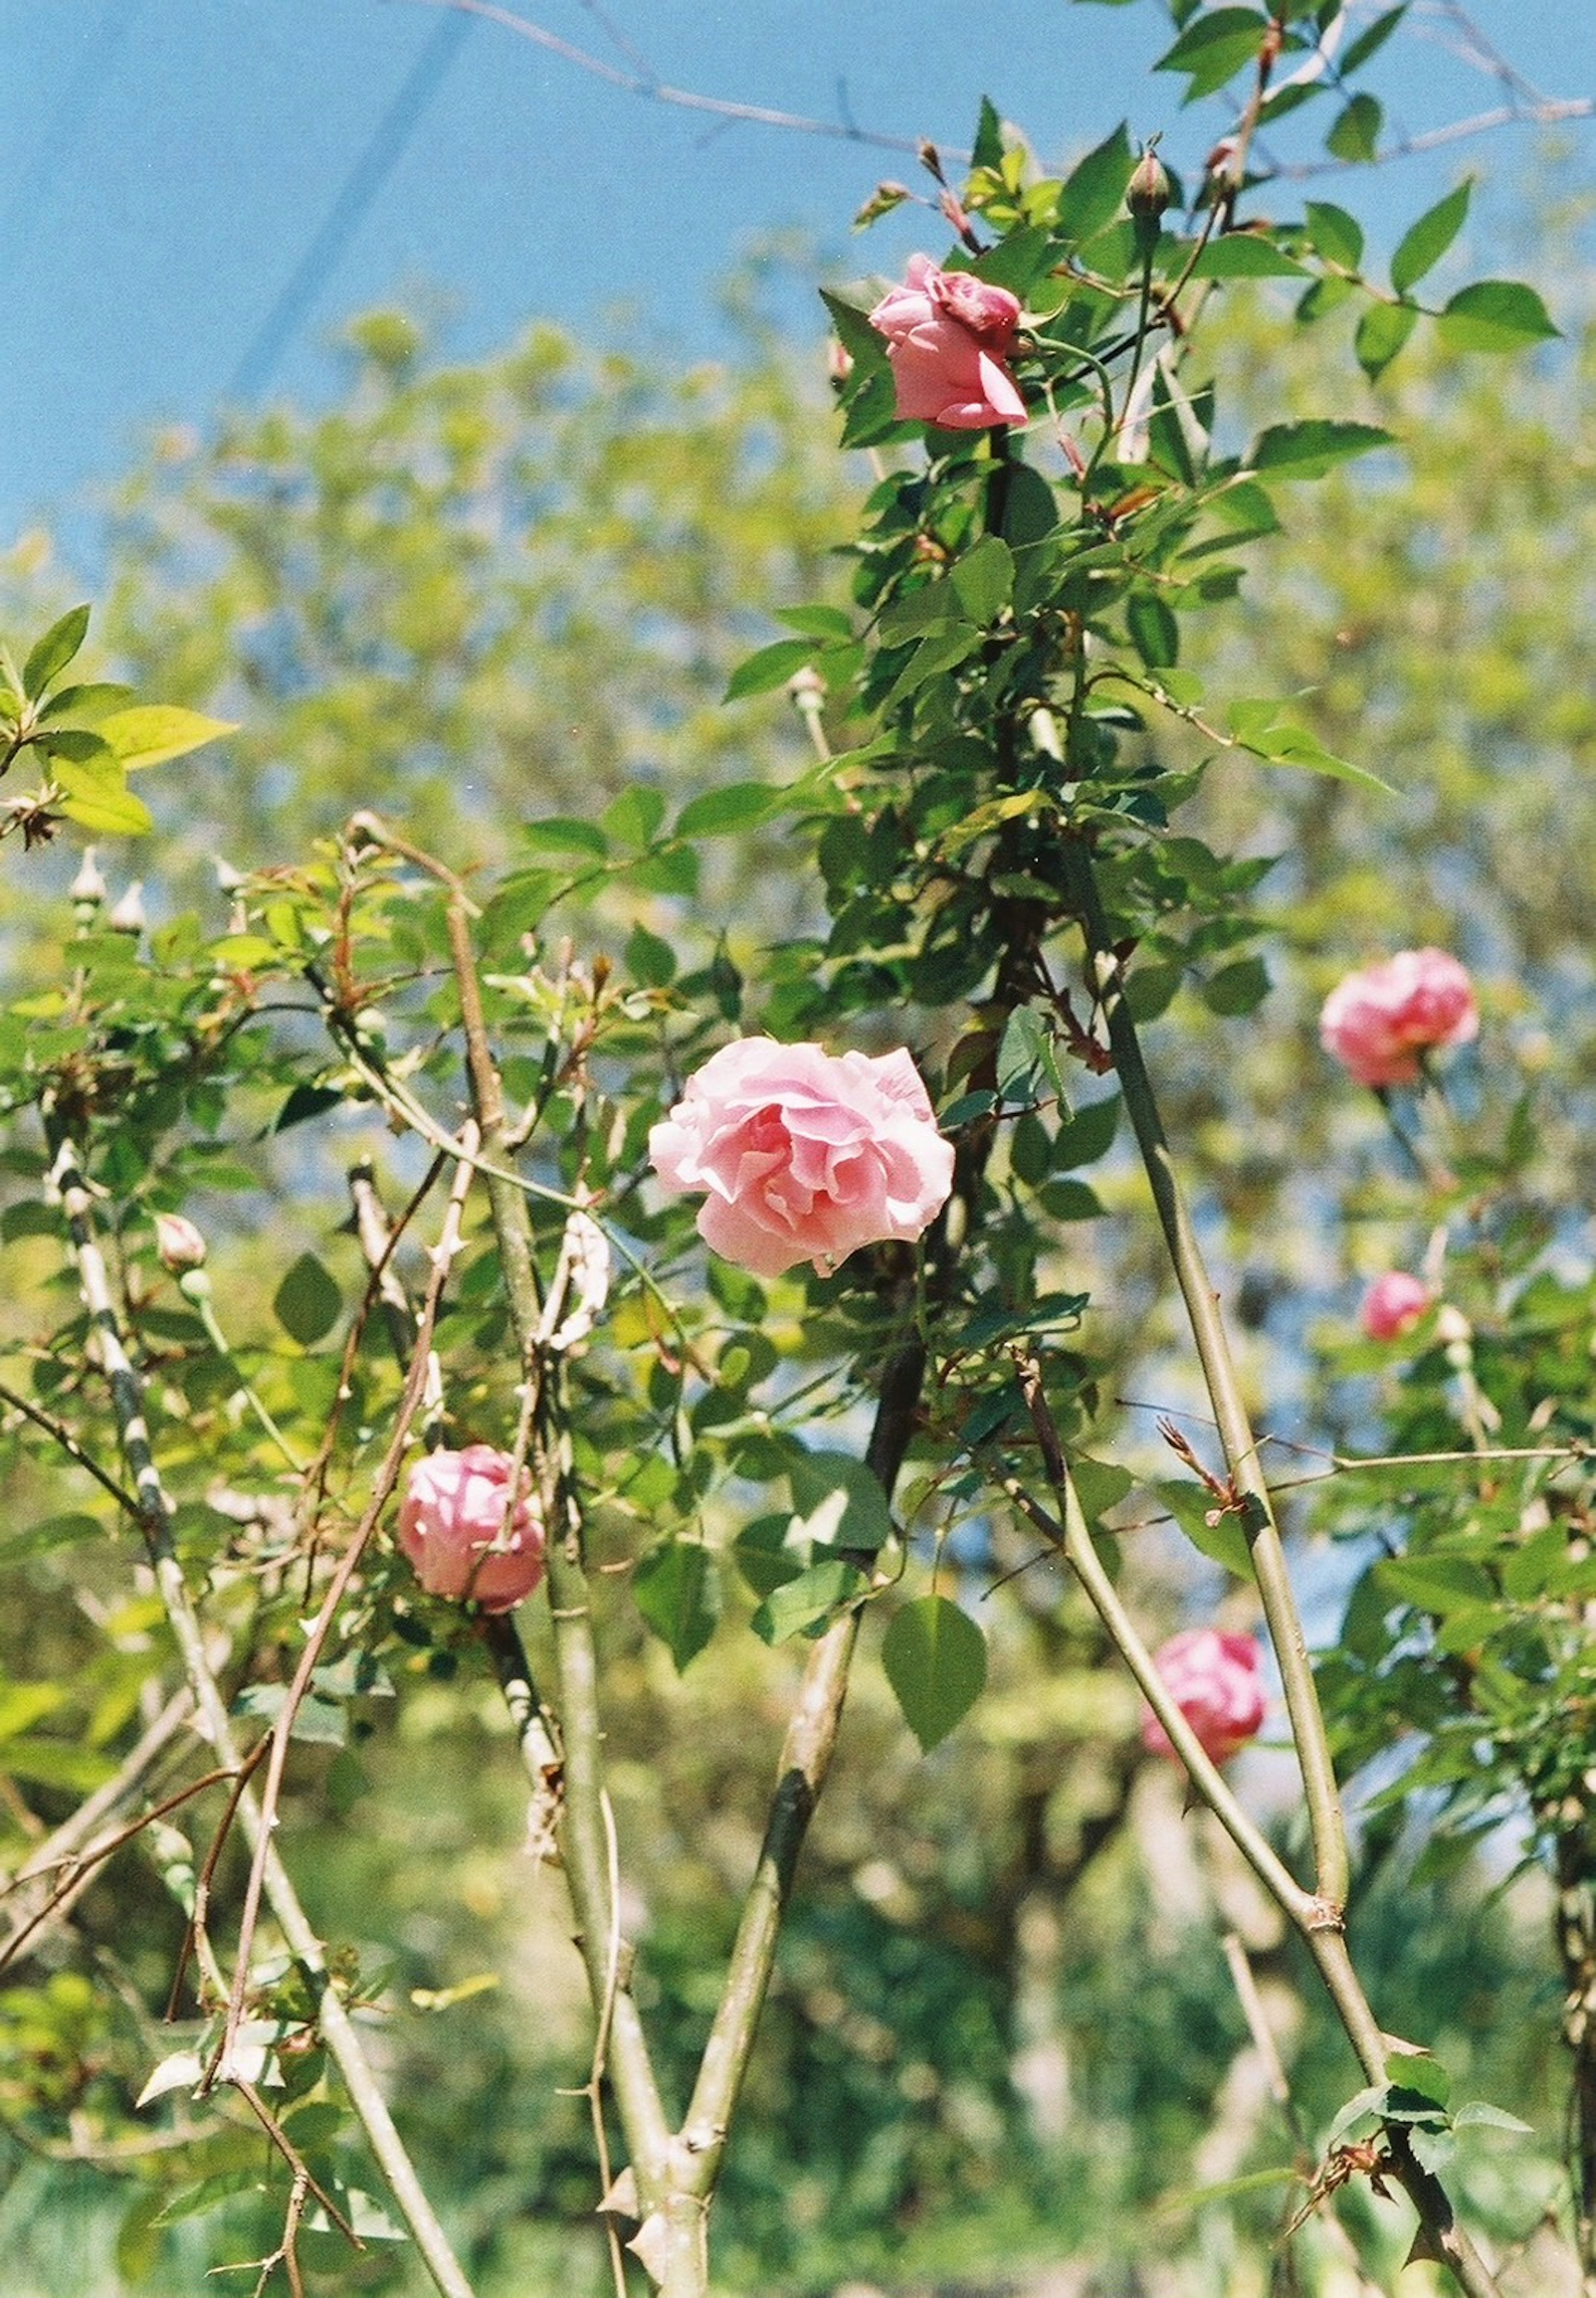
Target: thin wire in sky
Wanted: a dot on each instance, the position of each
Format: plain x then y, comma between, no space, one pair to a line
359,188
32,187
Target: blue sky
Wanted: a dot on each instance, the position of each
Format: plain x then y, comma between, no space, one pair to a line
197,191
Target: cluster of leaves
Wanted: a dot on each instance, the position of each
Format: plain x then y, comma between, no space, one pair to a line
84,738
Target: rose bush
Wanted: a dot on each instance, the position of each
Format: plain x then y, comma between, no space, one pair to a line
1392,1305
1217,1683
803,1156
948,335
461,1534
1378,1022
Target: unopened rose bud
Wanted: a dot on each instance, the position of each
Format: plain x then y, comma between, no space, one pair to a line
88,885
1148,193
129,915
178,1243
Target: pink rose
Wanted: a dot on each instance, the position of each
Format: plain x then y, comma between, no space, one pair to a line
948,334
1378,1022
1393,1304
1217,1683
459,1532
802,1154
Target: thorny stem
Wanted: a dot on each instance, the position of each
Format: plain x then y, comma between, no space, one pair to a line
576,1666
1325,1822
1323,1934
386,1477
1316,1923
153,1517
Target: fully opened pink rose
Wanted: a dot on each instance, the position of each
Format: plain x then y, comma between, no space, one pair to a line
802,1154
949,336
1217,1680
452,1526
1392,1305
1378,1022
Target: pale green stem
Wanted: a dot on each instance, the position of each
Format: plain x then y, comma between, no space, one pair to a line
1257,1515
198,1296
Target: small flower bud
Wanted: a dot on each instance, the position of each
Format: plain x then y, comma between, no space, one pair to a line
88,885
129,915
178,1243
1148,193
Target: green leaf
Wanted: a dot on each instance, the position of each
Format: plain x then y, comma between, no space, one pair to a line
304,1101
828,623
632,818
1305,451
809,1600
21,1705
1094,191
840,1501
1422,247
561,833
854,332
1029,511
1222,1542
1280,743
1356,134
1382,331
1372,2101
988,150
308,1302
79,747
1478,2113
771,668
1438,1583
1088,1135
1238,988
54,1532
1246,255
936,1662
1154,632
55,1763
102,804
1336,235
678,1591
55,651
1025,1059
716,812
983,579
649,958
1495,315
91,702
1212,49
1358,51
319,1723
154,732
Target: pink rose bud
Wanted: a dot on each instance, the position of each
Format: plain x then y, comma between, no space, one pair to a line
948,335
1378,1022
1217,1680
178,1243
459,1531
1392,1305
803,1156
